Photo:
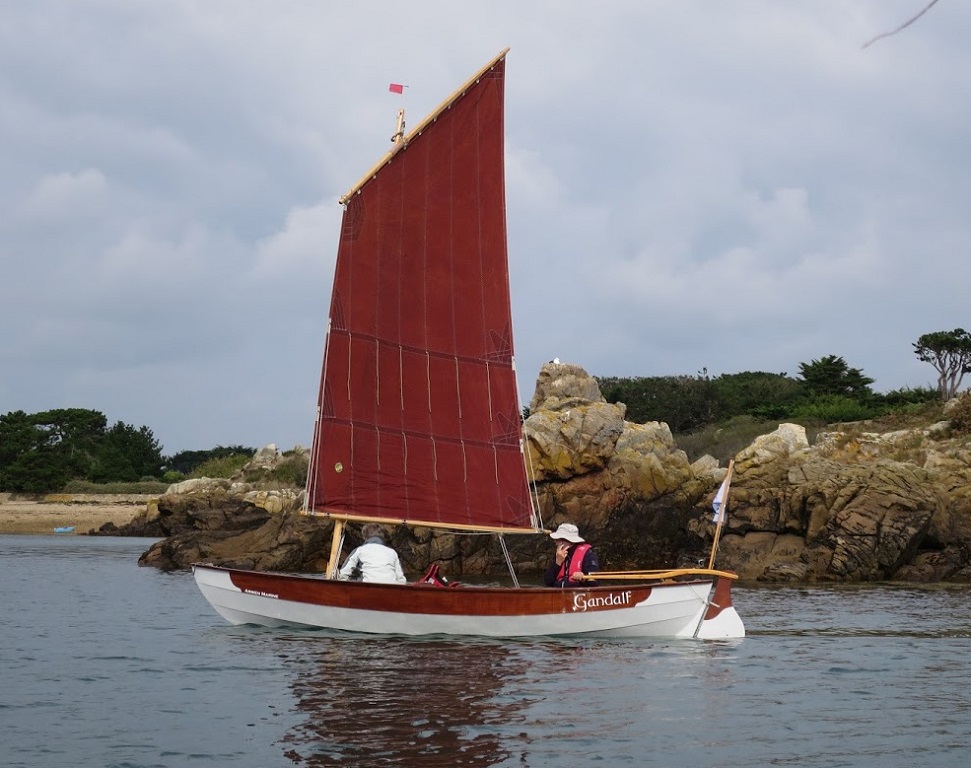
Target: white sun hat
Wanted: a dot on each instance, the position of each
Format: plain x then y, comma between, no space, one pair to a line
567,531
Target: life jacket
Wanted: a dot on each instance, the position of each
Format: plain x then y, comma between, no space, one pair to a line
573,564
436,578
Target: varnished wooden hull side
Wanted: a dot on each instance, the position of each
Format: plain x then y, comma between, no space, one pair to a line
667,609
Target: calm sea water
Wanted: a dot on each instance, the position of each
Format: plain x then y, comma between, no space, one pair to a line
103,663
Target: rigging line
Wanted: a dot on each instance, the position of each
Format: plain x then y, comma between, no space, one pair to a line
505,552
322,397
312,468
530,470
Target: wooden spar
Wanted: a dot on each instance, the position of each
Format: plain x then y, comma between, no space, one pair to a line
653,575
399,145
722,511
335,548
343,517
399,131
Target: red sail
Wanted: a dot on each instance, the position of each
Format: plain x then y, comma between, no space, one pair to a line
419,417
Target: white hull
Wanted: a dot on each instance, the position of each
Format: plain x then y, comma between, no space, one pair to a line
682,610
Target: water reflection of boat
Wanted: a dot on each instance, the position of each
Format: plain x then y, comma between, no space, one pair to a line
369,701
400,702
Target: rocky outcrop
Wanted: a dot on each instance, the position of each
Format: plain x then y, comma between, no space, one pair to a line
222,531
218,520
853,507
800,514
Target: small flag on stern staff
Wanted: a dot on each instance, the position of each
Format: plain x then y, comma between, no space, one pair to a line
396,88
718,504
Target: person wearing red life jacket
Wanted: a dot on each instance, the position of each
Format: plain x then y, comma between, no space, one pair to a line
573,556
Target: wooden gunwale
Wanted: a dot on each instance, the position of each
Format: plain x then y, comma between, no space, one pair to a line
660,575
463,600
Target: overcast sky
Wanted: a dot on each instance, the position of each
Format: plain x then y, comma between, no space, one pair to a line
731,185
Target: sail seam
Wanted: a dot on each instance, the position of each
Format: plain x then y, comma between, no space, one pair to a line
505,438
485,359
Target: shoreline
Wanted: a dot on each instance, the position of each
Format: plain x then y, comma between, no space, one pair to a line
82,512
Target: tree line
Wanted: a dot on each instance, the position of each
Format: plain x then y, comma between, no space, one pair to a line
827,390
43,452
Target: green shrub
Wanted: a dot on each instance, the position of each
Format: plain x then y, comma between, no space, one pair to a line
913,396
960,415
724,440
143,487
223,466
835,409
908,416
289,472
292,473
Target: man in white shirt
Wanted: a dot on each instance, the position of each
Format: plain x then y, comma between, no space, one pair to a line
374,558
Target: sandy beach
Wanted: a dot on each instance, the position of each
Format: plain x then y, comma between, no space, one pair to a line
83,512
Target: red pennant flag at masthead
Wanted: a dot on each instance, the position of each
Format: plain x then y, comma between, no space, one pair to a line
396,88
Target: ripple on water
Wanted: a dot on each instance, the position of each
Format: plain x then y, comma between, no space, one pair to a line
108,664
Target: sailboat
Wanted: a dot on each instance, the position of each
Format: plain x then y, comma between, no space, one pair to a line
419,421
